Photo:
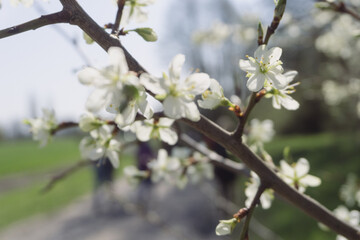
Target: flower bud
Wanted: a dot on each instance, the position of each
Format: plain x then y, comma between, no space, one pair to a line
225,227
148,34
280,9
260,34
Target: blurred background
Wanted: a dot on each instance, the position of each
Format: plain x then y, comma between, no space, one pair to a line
38,70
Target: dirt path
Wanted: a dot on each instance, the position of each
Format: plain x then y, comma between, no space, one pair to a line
174,215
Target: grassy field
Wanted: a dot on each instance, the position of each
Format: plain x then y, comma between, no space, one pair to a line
331,156
25,160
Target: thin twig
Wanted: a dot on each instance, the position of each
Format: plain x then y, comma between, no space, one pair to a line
215,158
72,41
243,119
230,207
314,209
278,13
115,28
59,17
64,125
268,176
65,173
342,8
255,201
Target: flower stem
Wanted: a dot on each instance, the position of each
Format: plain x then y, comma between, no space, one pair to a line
245,231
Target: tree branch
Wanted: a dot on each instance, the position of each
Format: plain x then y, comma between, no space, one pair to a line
65,173
59,17
255,201
215,158
80,18
243,119
64,125
271,179
105,40
115,28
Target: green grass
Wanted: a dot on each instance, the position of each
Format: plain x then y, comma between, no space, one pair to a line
25,202
331,157
26,156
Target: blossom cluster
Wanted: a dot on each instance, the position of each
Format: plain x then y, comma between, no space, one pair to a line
178,168
265,71
101,143
41,128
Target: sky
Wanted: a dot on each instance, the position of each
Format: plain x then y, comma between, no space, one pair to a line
38,68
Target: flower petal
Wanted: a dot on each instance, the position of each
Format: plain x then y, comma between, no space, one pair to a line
165,122
279,81
289,103
290,75
174,107
117,60
98,99
273,54
276,100
168,135
247,66
209,103
302,167
197,83
265,200
113,157
260,52
192,112
88,75
175,67
145,107
310,180
256,82
286,169
152,84
127,117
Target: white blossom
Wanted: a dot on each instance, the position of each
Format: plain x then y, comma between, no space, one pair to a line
217,34
201,168
178,95
214,97
165,167
251,189
41,128
88,122
225,227
280,97
134,10
265,67
116,88
349,190
333,92
260,131
297,175
339,41
26,3
156,128
357,197
100,144
350,217
133,175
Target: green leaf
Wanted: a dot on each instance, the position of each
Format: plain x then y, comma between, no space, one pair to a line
286,153
280,8
87,38
323,6
148,34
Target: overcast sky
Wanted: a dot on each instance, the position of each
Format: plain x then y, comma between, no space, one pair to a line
39,67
